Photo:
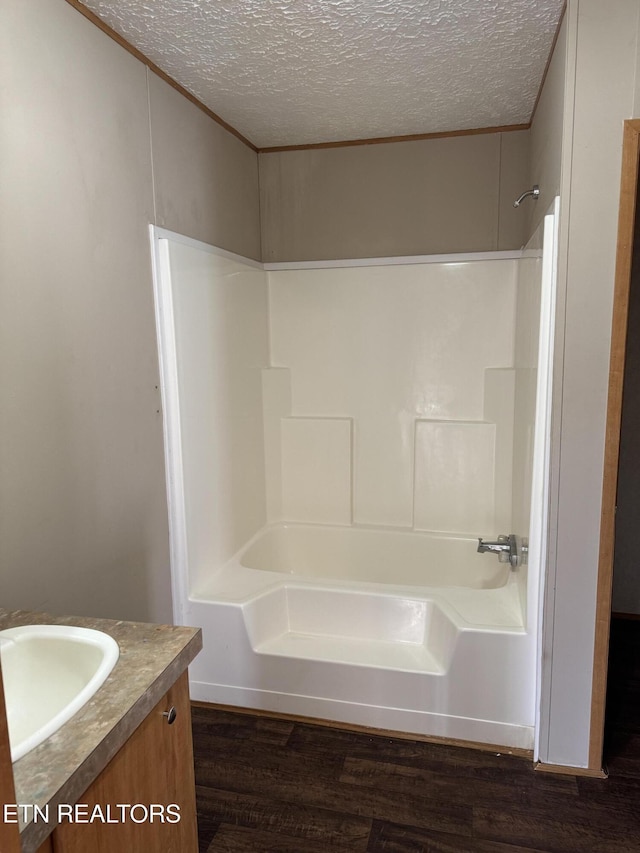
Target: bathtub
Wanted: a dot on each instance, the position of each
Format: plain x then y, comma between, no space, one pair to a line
373,555
398,630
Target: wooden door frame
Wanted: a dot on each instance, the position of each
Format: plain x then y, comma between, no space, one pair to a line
624,257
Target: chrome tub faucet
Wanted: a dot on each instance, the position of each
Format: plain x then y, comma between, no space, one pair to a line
510,549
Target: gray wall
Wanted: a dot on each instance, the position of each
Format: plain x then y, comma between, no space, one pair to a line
83,517
546,134
600,91
402,198
205,178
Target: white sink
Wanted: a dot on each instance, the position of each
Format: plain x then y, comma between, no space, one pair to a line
49,673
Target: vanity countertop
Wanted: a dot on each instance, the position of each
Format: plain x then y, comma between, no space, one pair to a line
60,770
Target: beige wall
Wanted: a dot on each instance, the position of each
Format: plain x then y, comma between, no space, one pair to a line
402,198
600,90
206,179
83,519
546,134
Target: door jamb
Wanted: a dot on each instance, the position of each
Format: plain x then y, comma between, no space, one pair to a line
624,256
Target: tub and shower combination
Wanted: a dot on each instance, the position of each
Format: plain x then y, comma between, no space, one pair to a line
338,437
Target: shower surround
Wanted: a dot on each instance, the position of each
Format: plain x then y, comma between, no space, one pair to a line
338,437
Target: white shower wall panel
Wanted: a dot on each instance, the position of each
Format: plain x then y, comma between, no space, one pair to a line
221,339
316,469
455,476
388,347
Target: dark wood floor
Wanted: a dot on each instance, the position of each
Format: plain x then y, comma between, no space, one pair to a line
271,786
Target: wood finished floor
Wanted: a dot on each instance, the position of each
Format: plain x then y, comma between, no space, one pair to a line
271,786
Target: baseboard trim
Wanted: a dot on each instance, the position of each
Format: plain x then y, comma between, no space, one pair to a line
563,770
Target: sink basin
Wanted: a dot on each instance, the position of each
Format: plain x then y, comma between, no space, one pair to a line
49,673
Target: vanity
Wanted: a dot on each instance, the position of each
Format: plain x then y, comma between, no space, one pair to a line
119,774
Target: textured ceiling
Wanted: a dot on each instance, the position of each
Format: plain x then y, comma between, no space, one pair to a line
290,72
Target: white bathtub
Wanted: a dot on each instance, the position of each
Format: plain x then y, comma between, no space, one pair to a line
373,555
405,631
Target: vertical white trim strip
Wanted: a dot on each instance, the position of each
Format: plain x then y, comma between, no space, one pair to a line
540,503
168,363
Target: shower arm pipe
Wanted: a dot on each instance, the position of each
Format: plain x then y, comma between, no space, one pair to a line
534,191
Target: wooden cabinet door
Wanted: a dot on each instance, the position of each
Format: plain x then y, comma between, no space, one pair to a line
154,767
9,832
